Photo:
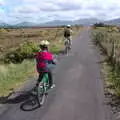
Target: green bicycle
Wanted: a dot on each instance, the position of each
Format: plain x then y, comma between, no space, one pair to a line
42,88
38,94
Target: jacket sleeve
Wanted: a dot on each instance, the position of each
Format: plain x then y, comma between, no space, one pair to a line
53,60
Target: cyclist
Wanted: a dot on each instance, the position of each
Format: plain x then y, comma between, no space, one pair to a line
68,34
45,62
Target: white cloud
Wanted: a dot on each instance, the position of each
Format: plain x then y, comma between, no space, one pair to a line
2,2
39,10
26,9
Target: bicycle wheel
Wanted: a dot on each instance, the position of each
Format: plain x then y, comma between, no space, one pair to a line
67,50
66,47
30,104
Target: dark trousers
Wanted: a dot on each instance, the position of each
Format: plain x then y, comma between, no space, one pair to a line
49,75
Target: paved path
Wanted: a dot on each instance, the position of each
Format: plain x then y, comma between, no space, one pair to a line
79,89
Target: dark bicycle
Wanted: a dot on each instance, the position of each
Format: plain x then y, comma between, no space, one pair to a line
67,46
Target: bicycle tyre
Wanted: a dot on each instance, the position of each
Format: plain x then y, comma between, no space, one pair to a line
41,94
29,105
66,46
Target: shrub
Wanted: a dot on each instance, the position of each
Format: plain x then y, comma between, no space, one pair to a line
24,51
28,49
99,25
13,56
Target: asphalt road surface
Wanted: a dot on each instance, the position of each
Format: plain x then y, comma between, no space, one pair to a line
78,94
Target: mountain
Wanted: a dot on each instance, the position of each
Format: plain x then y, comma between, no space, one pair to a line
79,22
61,23
87,21
56,23
25,24
22,24
113,22
3,24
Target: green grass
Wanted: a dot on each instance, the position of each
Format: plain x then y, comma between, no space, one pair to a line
112,79
12,75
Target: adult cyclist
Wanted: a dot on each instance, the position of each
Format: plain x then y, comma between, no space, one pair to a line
68,34
45,61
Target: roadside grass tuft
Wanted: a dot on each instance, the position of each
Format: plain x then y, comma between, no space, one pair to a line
12,75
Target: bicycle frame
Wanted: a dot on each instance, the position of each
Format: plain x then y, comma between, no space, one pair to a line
44,84
42,88
67,45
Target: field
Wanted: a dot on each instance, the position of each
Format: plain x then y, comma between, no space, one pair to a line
11,40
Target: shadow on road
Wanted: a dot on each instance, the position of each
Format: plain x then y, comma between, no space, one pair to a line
26,98
15,97
30,104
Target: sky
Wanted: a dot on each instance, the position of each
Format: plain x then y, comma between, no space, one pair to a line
39,11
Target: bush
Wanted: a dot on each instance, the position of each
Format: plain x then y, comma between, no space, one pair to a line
28,49
24,51
99,25
98,37
14,57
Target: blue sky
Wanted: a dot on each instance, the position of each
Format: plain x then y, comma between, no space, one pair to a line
14,11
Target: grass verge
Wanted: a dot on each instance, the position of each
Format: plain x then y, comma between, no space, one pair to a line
112,80
12,75
105,40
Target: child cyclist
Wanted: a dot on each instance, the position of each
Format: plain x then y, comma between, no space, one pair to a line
44,62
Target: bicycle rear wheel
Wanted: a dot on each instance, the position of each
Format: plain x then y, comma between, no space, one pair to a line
67,50
66,46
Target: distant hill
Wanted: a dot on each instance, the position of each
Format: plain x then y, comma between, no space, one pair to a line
61,23
79,22
3,24
53,23
25,24
113,22
87,21
56,23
